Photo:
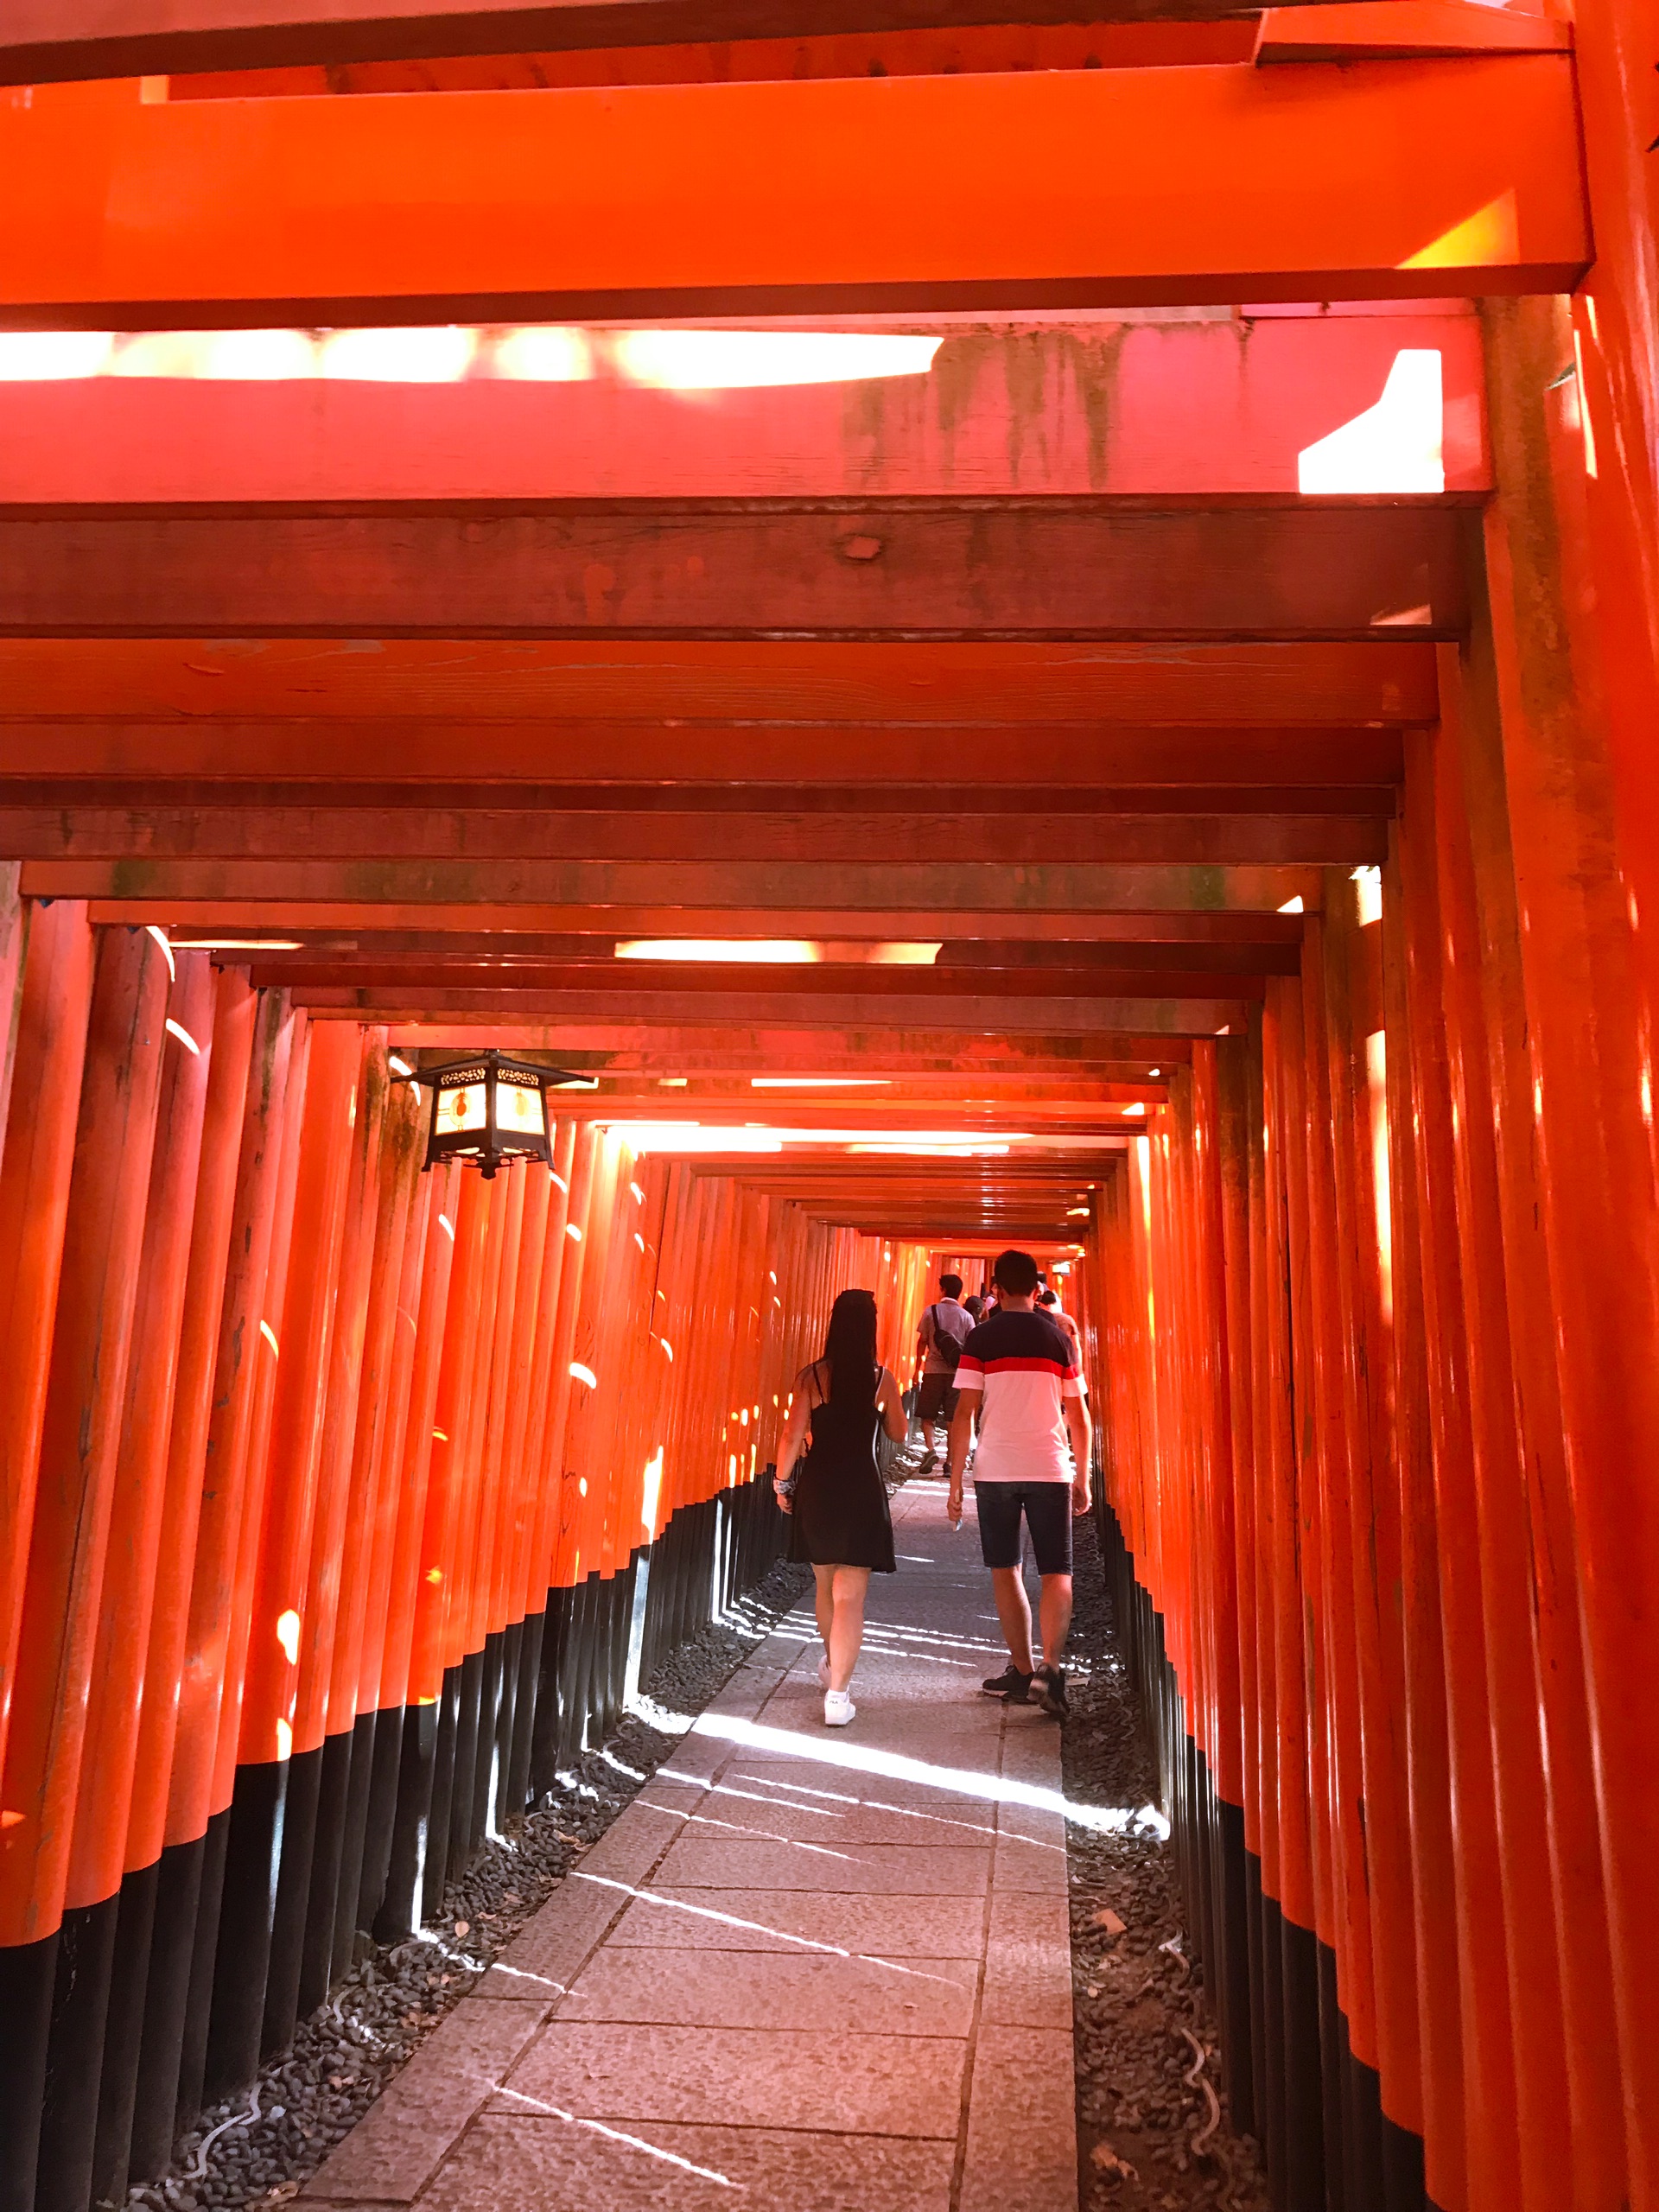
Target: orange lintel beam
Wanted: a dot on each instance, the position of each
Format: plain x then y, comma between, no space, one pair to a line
645,835
1094,568
1384,180
1191,412
242,758
1183,1017
247,811
46,42
627,983
437,927
410,707
1390,30
976,887
690,1049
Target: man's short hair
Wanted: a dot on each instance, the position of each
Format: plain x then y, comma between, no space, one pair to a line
1016,1273
951,1286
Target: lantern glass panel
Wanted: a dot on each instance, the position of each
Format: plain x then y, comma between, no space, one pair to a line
459,1110
519,1109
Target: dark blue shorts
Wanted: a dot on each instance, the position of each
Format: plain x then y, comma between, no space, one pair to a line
1047,1508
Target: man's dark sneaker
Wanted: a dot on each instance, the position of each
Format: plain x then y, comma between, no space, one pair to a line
1048,1691
928,1464
1010,1684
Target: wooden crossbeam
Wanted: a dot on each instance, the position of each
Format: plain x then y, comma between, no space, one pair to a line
691,1049
1139,410
480,837
628,982
1001,764
244,809
46,42
1055,569
751,886
373,706
554,931
1150,1016
1384,180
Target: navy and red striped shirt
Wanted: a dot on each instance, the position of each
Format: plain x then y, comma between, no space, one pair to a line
1023,1366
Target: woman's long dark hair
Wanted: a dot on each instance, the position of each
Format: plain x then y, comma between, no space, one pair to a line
850,1350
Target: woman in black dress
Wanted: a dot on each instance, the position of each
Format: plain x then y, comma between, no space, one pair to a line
838,1499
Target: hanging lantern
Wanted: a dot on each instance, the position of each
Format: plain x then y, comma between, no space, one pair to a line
490,1109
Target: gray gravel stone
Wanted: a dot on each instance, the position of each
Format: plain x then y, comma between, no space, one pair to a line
1131,1999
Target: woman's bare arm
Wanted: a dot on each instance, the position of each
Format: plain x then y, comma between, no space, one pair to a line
890,1399
794,1435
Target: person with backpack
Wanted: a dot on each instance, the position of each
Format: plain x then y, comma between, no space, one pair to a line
940,1336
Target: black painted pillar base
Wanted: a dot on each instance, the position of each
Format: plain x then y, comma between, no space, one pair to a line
382,1817
322,1885
354,1846
28,1973
124,2034
203,1974
75,2059
398,1913
253,1858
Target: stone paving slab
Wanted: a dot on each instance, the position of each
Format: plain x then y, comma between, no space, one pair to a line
543,2165
830,1968
759,1989
738,1920
753,2077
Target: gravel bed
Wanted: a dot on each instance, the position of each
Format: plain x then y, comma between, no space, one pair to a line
261,2148
1148,2075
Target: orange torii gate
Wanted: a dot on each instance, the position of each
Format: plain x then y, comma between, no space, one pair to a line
1371,1280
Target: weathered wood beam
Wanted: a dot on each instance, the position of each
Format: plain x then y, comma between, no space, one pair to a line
120,764
263,809
695,1048
46,42
1150,408
1384,180
1149,1016
1053,569
540,709
532,928
628,982
752,886
480,837
992,967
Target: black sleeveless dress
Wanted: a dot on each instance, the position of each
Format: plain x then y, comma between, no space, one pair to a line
841,1517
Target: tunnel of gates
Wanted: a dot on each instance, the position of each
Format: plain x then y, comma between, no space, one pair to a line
1190,736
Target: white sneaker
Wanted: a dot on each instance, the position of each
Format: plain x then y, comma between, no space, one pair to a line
838,1709
823,1672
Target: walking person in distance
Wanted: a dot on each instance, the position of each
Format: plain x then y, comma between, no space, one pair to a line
940,1335
835,1494
1018,1370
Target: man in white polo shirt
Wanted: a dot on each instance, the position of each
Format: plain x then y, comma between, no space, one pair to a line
1018,1371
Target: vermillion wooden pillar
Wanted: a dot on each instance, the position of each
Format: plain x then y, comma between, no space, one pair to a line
51,1044
113,1923
155,1874
80,1430
332,1624
382,1407
1548,685
1488,2054
409,1654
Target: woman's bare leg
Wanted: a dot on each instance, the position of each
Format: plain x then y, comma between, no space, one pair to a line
846,1634
824,1601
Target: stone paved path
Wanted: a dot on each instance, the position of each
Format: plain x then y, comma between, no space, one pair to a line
811,1970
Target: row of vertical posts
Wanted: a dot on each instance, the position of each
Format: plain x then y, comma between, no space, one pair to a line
1374,1303
337,1500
